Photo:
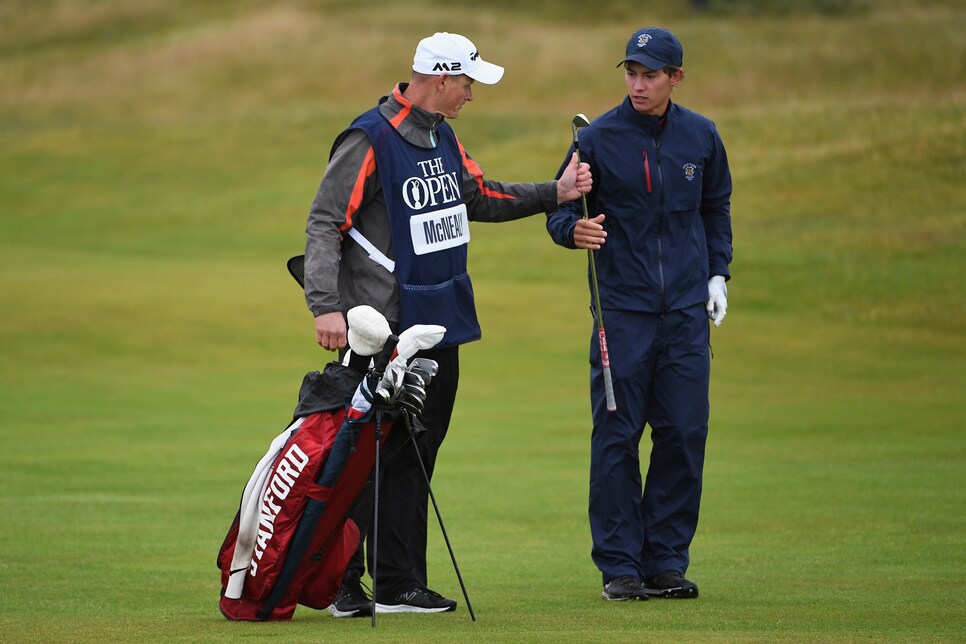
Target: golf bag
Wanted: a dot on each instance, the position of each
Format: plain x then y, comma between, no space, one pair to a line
290,541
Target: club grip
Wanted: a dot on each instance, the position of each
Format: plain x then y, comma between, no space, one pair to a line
384,356
605,365
609,391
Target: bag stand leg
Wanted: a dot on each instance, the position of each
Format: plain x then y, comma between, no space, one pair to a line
439,517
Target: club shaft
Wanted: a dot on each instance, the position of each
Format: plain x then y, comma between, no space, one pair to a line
601,334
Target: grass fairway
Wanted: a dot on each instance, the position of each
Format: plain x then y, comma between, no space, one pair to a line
157,161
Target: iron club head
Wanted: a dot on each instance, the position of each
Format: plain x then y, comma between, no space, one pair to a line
579,121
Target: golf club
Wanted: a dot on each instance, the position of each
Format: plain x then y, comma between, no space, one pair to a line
580,121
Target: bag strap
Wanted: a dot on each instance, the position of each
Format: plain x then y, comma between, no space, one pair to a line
375,254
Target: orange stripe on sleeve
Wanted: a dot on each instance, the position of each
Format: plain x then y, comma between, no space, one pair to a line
355,200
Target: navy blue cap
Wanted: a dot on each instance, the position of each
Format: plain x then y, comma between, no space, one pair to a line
655,48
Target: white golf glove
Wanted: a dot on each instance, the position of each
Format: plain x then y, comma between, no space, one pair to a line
717,299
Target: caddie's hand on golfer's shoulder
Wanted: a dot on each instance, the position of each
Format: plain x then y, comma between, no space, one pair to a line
590,233
330,331
575,181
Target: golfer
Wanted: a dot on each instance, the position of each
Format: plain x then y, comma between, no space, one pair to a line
661,195
389,228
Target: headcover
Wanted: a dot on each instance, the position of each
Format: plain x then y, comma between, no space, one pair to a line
417,338
368,330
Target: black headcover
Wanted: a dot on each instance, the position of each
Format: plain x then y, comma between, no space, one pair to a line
330,389
296,266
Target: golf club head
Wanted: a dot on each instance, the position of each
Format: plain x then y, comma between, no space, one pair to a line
424,365
579,121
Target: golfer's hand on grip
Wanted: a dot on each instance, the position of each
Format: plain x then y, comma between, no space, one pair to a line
330,331
575,181
590,233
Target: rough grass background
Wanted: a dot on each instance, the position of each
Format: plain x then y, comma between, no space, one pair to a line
158,159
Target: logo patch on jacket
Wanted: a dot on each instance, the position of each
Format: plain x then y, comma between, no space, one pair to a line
689,171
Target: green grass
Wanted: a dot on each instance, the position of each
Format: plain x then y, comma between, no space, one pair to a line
158,160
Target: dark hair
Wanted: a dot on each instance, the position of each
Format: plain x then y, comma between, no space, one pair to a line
671,69
668,69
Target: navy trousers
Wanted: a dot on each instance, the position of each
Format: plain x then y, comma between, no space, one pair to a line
660,365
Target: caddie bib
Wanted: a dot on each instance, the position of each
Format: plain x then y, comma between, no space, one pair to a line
429,227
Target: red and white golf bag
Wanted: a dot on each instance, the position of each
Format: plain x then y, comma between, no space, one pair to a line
291,540
265,546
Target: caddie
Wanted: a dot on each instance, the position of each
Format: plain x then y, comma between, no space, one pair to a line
389,227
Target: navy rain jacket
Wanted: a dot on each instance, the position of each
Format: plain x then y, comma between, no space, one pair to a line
666,193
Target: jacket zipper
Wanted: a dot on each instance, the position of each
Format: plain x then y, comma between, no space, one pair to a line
660,222
647,171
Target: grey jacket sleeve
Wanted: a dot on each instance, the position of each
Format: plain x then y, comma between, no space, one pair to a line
331,216
496,201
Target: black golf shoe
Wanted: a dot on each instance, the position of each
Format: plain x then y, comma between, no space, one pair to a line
624,588
352,601
670,584
416,600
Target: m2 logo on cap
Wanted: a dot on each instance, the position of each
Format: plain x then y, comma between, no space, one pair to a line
448,67
643,39
689,171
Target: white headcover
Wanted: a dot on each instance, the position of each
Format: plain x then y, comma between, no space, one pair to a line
416,338
368,330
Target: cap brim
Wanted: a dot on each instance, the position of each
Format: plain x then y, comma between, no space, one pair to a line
486,73
643,59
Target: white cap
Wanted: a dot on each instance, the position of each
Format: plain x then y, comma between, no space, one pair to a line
446,53
368,330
